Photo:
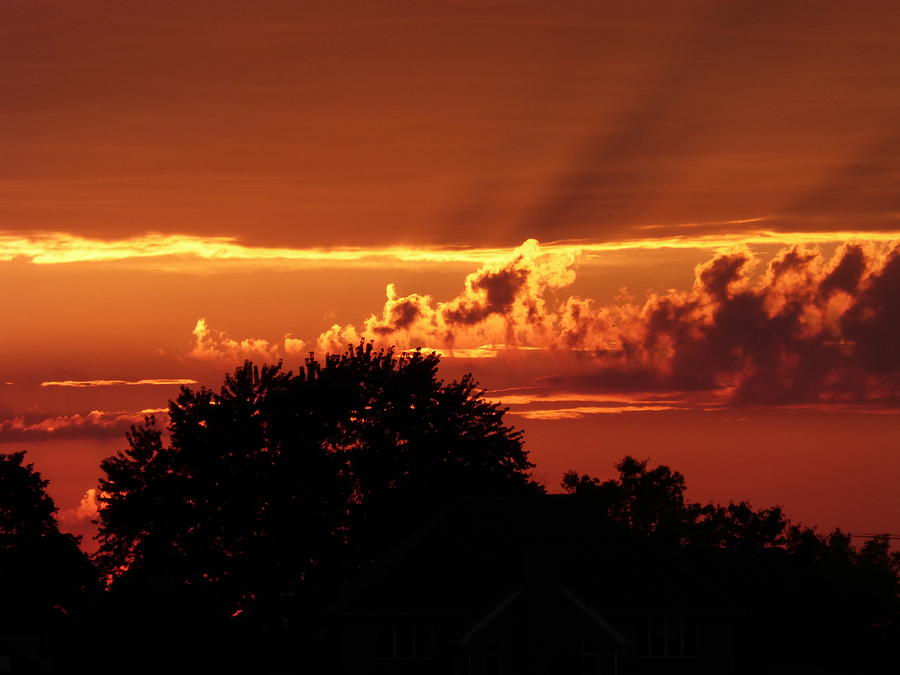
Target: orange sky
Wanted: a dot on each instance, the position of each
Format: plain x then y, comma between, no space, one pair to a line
184,184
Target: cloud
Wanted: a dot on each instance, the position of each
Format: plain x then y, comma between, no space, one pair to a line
632,162
805,330
544,396
92,425
116,383
85,512
215,346
196,253
799,329
577,412
502,304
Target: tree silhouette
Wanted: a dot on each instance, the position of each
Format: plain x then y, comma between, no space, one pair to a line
42,570
44,576
650,502
280,479
811,598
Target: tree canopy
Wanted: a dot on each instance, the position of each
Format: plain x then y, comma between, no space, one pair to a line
42,570
797,585
281,477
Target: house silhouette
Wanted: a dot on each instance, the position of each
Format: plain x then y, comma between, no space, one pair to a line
543,585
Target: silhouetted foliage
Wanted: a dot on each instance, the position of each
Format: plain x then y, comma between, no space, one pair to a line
280,479
264,496
42,571
44,576
649,502
810,598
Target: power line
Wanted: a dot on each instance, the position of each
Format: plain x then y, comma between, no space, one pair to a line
862,535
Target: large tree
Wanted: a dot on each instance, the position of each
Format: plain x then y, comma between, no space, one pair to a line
280,477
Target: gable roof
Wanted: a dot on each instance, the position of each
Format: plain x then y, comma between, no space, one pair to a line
477,552
485,620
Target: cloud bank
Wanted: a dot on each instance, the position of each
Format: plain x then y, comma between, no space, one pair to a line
800,328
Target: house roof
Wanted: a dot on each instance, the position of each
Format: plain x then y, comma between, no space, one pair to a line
484,621
478,552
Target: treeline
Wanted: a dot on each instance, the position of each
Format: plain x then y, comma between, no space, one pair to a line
221,547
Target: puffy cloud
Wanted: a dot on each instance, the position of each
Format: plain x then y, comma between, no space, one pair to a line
799,329
95,424
85,512
503,303
216,346
294,346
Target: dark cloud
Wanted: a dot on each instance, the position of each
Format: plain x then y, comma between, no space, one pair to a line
785,338
861,189
495,293
847,274
873,321
455,123
628,168
95,424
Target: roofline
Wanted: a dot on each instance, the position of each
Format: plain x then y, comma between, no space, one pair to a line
464,640
380,567
621,639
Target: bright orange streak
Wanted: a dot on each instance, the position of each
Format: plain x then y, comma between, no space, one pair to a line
565,397
717,241
49,248
56,247
482,352
581,411
114,383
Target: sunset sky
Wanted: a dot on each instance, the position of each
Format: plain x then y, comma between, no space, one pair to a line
665,228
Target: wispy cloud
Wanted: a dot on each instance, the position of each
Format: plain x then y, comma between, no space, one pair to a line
548,414
94,424
117,383
480,352
549,396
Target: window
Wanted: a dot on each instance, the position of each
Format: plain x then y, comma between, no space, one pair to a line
590,658
405,641
385,647
665,637
493,659
423,640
